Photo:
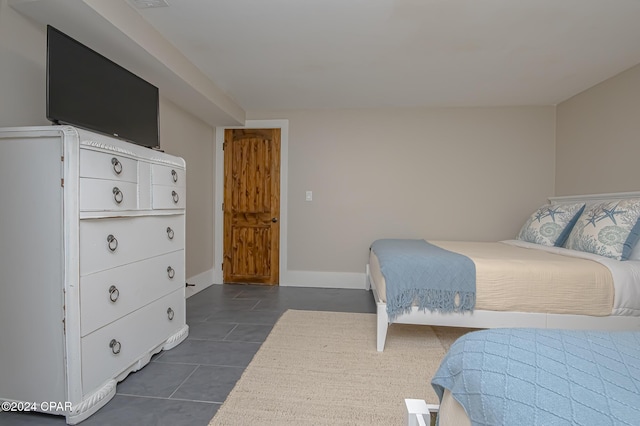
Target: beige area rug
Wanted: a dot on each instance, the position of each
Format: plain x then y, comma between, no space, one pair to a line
322,368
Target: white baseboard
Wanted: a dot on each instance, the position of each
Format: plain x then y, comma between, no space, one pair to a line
351,280
201,281
218,277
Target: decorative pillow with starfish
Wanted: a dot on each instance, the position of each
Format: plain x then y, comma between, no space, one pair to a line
550,224
610,229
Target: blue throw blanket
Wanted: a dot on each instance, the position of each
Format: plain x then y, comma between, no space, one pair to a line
544,377
429,276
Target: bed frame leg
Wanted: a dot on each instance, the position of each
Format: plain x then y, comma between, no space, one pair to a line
419,412
383,325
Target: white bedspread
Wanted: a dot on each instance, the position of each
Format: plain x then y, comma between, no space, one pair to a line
626,276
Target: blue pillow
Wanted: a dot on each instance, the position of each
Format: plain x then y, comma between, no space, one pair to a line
551,224
609,229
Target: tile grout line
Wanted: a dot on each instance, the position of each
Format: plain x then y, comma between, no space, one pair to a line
204,365
224,339
183,382
169,398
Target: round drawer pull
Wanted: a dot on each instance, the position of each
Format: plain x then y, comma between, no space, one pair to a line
112,242
174,175
170,233
171,272
175,197
170,314
115,346
117,165
114,293
118,196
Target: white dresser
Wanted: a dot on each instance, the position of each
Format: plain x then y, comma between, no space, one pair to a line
92,265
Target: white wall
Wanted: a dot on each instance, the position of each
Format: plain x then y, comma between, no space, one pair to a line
184,135
440,173
598,138
22,70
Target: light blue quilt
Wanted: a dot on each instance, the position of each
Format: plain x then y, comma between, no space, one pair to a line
544,377
429,276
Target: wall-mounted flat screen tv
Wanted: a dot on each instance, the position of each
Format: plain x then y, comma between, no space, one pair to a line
87,90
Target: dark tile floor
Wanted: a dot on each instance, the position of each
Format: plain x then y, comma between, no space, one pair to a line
187,385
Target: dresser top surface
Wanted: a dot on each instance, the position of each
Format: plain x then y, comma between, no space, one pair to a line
90,140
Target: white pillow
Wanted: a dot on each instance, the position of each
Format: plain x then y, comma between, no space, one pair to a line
551,224
609,229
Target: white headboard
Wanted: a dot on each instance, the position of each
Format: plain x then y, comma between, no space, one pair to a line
594,198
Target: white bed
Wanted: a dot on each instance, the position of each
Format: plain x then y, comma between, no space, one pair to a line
625,303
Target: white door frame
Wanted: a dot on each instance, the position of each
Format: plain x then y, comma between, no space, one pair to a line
218,226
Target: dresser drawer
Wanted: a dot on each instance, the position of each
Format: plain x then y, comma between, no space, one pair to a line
111,349
168,197
111,195
107,243
104,165
108,295
168,176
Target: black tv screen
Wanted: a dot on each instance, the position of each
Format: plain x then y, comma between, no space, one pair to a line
87,90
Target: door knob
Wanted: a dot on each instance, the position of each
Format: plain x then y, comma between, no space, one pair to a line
274,220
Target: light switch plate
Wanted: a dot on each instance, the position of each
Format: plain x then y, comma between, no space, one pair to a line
309,196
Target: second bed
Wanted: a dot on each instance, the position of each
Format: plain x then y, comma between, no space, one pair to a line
522,284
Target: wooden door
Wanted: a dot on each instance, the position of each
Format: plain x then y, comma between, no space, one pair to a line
251,206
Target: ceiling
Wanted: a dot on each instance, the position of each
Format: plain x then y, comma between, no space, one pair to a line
220,59
292,54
